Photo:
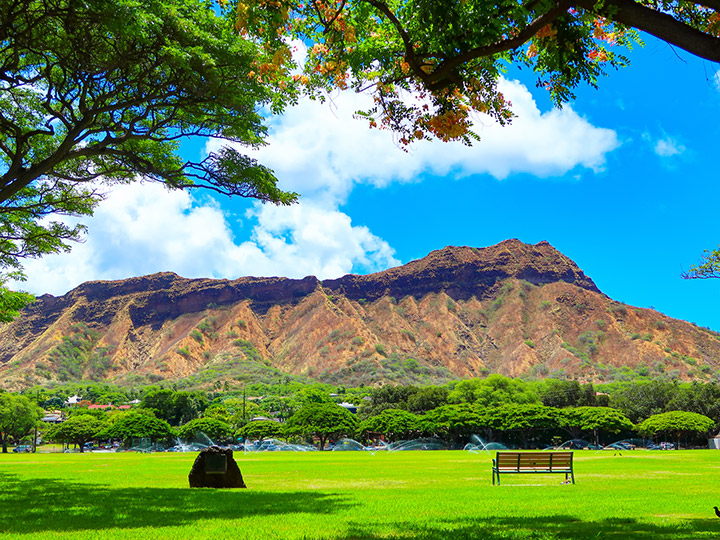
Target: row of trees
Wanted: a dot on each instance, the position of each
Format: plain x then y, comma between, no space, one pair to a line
440,410
526,425
523,425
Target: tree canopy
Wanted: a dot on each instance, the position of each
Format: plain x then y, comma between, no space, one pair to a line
521,419
216,430
676,424
576,420
175,407
395,424
495,390
137,424
708,267
322,420
453,421
101,92
430,65
257,430
77,429
18,415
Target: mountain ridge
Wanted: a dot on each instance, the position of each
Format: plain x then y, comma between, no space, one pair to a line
512,308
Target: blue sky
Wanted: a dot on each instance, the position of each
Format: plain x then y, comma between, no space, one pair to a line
623,181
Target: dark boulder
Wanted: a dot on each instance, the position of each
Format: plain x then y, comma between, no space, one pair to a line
215,467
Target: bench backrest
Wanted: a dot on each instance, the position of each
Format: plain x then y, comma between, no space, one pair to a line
514,461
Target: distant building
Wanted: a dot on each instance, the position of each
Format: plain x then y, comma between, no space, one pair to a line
349,406
53,417
73,400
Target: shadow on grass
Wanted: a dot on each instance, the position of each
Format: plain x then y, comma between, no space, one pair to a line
538,528
56,505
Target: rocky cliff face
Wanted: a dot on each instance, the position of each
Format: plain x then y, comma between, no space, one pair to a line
512,308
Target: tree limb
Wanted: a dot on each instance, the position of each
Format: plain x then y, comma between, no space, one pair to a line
660,25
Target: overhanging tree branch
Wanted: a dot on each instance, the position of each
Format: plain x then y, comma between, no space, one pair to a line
660,25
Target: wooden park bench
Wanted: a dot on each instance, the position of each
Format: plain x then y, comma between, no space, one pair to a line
533,463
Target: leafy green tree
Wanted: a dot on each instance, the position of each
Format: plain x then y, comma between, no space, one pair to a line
101,92
258,430
77,429
394,424
188,406
18,415
453,422
160,401
218,411
638,400
709,266
701,398
493,391
54,402
559,393
174,407
282,407
386,397
453,53
521,420
578,420
314,394
675,424
216,430
11,302
137,424
427,398
322,420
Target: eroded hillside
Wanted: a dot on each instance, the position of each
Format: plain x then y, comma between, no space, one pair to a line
513,308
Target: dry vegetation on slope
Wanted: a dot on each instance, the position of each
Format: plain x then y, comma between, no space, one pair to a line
513,308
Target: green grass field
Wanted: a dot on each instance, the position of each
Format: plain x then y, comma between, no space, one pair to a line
353,495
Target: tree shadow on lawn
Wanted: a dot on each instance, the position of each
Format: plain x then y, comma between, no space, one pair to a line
538,528
49,504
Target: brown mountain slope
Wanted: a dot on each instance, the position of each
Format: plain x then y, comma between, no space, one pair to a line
513,308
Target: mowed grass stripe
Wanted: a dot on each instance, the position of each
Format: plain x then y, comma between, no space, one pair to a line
353,495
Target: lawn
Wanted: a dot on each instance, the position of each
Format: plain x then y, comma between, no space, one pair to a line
354,495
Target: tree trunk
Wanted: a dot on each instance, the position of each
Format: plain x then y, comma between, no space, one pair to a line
4,443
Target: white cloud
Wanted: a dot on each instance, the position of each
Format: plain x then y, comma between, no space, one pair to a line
142,229
320,151
667,147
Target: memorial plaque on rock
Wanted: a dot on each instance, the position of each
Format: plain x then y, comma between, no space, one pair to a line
215,463
215,467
